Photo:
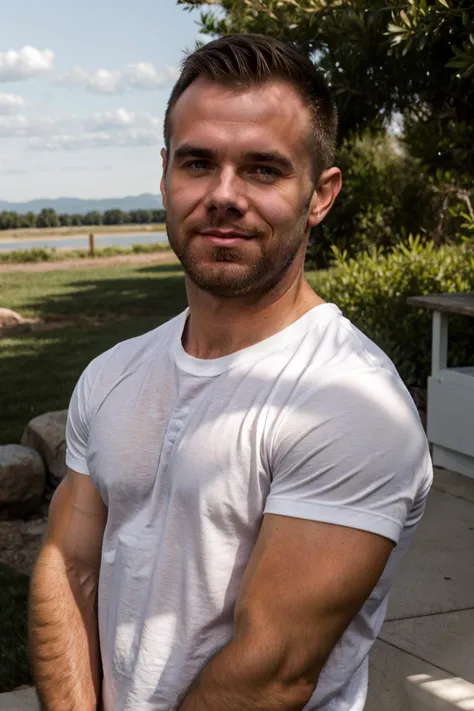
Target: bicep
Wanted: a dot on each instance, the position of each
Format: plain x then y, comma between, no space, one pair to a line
304,583
76,522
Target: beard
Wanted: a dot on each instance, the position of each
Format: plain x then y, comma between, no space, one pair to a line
227,272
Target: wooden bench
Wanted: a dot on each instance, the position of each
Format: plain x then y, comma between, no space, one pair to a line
450,413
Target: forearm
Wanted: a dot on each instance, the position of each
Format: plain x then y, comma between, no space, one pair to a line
63,636
243,678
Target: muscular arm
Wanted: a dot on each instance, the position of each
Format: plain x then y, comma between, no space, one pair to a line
63,636
303,585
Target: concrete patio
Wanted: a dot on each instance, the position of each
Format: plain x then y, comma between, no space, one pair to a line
429,631
428,637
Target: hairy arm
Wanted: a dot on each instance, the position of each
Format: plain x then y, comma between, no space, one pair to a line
304,583
63,636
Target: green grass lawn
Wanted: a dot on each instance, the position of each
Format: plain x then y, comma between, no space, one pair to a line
102,306
14,666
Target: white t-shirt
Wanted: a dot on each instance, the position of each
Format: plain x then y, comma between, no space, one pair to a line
188,454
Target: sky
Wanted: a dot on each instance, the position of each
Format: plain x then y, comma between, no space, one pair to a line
83,91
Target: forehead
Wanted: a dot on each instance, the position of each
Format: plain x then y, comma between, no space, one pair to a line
273,112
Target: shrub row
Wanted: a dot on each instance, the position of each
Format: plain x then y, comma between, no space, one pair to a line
372,291
51,254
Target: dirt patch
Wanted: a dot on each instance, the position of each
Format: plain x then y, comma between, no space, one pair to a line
21,539
97,262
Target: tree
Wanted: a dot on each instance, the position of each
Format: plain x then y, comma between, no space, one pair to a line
28,220
64,220
47,218
76,219
380,57
383,59
92,218
158,216
114,217
9,220
140,217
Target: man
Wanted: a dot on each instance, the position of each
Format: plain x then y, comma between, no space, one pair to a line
247,476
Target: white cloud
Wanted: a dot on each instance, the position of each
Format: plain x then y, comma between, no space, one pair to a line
13,171
120,128
102,81
138,75
143,75
12,126
97,139
121,118
24,63
11,103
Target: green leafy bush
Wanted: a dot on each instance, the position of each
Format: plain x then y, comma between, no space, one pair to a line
36,254
372,291
385,196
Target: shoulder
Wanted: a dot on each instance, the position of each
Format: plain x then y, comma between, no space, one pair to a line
348,422
342,371
106,370
334,341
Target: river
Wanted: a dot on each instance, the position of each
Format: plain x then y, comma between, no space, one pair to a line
82,242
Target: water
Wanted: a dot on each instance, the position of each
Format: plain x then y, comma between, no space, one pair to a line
82,242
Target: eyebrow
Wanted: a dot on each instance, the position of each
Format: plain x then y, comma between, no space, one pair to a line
187,150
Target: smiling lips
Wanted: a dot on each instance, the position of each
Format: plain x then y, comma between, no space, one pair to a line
224,237
224,234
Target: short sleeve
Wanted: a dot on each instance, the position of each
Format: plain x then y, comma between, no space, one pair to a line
352,451
79,415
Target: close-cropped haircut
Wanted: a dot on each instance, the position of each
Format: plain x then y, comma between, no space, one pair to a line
243,60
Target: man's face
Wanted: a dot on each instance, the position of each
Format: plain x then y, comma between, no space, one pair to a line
237,185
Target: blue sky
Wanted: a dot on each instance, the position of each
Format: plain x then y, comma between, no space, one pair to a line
83,89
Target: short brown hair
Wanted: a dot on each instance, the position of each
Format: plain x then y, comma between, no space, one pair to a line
250,59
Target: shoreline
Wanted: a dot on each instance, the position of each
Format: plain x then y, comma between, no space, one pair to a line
73,232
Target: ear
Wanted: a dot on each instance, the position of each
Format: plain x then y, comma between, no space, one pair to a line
326,191
163,182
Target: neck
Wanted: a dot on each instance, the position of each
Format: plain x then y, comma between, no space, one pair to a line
217,327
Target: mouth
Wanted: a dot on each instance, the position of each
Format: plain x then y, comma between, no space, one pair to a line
223,238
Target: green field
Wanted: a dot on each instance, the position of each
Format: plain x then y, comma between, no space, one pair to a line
89,311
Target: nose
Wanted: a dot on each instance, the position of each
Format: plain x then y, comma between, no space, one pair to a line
226,192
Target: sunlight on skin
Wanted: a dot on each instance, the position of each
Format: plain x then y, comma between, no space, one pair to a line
259,287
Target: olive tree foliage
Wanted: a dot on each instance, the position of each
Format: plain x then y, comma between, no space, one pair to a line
410,60
381,57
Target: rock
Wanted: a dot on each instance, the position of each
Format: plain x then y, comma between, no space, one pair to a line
47,434
10,318
22,480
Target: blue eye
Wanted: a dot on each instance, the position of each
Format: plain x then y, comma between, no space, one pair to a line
198,165
267,172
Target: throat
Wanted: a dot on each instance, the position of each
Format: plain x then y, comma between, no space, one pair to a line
210,338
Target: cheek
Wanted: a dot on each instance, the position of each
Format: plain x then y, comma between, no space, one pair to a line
277,209
183,198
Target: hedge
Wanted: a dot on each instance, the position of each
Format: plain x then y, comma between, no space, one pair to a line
372,291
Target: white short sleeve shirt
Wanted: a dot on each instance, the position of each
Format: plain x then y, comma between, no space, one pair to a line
189,454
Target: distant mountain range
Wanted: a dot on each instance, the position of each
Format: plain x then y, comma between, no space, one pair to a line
78,206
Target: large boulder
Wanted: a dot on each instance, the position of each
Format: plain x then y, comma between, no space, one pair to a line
22,480
10,318
47,434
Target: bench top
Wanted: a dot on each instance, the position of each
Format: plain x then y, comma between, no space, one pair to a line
449,303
